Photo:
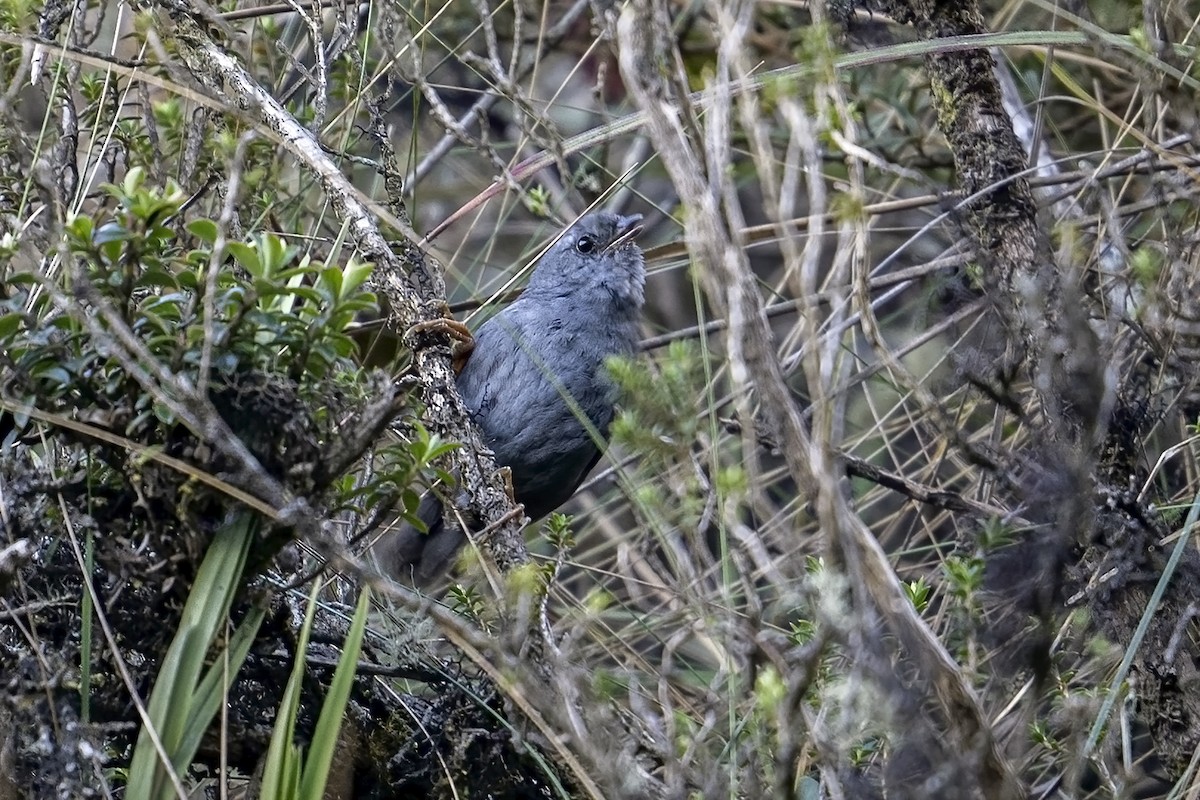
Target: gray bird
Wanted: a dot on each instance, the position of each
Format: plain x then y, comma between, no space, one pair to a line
538,368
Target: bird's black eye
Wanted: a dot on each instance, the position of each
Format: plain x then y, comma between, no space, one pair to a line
585,245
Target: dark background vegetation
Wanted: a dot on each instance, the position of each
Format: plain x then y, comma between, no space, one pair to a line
900,502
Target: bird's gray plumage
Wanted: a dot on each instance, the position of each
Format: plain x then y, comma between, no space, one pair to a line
537,371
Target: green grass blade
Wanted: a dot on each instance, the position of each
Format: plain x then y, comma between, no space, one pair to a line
86,613
171,708
207,699
324,742
281,770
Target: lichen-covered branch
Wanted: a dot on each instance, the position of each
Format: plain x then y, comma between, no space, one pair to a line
409,283
1037,298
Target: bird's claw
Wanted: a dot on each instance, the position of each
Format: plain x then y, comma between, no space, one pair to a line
506,476
462,342
451,327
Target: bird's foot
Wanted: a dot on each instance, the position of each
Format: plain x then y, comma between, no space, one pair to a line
451,327
462,342
506,476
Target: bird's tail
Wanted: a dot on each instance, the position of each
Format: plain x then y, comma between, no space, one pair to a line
420,558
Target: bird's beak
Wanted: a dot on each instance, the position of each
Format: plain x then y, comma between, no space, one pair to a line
628,229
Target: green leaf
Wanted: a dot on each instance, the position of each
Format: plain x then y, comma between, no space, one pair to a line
133,181
205,230
156,279
111,232
81,227
331,278
247,256
189,280
54,374
10,323
276,253
354,274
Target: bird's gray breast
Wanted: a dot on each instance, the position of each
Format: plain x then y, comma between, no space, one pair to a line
536,374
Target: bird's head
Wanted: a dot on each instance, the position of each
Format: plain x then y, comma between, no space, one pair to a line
597,254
